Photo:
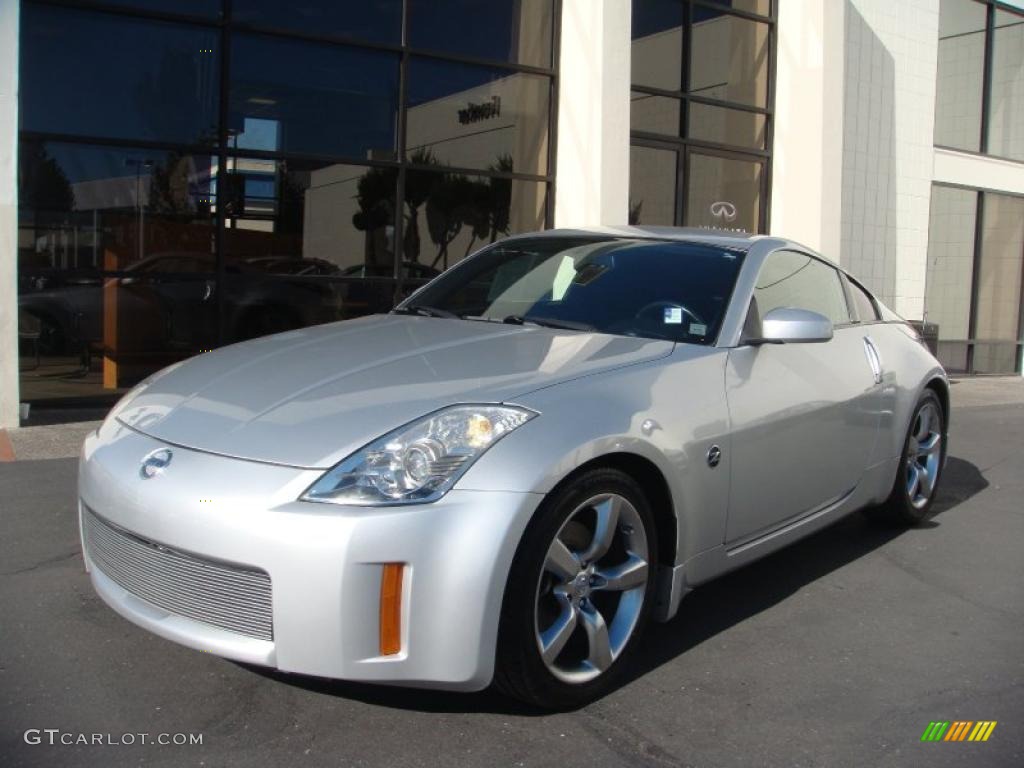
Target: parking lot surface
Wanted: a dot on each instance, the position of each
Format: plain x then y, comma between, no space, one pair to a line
837,651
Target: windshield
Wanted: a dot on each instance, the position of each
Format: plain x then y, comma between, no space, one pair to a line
651,288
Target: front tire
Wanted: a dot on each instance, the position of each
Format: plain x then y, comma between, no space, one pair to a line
579,593
917,479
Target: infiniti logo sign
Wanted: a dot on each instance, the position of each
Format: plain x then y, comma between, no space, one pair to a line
155,463
723,209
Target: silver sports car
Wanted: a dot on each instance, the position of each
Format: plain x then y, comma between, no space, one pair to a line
508,476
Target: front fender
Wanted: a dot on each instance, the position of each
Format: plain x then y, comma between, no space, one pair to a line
669,412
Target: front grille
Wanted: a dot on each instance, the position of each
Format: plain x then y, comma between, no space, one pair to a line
231,597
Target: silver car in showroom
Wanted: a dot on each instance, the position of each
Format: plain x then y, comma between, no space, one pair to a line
504,479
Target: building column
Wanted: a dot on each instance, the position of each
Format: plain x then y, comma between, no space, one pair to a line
9,214
807,152
592,167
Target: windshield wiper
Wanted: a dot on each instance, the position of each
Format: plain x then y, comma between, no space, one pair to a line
424,311
544,322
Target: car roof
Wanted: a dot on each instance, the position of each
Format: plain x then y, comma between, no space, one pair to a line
723,237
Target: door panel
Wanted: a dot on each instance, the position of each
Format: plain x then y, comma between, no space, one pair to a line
804,420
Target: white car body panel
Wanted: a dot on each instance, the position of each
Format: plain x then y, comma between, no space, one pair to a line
255,424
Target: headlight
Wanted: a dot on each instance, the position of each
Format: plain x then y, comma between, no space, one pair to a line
419,462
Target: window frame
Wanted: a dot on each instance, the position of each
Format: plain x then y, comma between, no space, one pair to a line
840,275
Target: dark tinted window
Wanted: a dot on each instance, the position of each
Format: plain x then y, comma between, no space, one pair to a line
210,9
304,217
864,304
662,290
378,21
478,117
106,76
791,279
313,98
90,207
517,31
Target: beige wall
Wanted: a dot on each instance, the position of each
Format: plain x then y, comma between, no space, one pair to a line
808,147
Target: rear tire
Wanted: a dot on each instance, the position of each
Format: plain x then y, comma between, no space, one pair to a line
920,468
579,592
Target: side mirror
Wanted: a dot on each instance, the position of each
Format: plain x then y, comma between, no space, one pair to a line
787,325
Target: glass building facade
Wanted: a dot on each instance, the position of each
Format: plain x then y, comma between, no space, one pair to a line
701,113
197,172
975,270
191,173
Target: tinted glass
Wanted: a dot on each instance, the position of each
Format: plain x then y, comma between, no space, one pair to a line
288,95
947,296
88,207
724,193
652,186
94,74
999,284
477,117
795,280
657,47
516,31
378,21
729,58
762,7
961,66
1006,108
662,290
450,215
654,114
309,219
863,303
115,265
727,126
210,9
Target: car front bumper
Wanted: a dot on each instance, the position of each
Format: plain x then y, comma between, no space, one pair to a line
325,562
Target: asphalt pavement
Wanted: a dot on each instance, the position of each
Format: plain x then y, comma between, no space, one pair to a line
837,651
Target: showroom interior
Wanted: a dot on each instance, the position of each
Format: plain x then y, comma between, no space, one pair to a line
177,175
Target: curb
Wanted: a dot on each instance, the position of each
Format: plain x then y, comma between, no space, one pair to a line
6,449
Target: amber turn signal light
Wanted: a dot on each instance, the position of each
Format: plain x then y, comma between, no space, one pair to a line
391,608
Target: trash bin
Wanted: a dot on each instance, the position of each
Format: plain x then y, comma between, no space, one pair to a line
929,333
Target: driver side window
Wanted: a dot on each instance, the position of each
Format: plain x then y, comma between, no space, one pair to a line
799,281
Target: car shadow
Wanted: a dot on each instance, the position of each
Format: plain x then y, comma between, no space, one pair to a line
707,611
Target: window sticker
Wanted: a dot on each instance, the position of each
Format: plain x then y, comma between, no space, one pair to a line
673,315
698,329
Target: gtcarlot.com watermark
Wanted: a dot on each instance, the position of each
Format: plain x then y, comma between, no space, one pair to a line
57,737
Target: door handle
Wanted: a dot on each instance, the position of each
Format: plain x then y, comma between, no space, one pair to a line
874,359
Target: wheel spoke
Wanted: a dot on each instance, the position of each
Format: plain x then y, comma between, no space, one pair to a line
924,481
554,638
607,512
600,655
561,562
930,445
913,480
630,574
924,424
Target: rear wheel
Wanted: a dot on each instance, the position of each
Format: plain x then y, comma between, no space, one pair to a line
924,454
579,592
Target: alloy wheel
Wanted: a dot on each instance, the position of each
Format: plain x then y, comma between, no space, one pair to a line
592,588
924,454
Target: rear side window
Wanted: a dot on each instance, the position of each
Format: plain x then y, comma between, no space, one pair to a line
864,304
798,281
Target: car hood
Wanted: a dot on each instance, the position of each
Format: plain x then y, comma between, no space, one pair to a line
311,397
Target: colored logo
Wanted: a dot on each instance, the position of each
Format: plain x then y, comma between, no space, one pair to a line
958,730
